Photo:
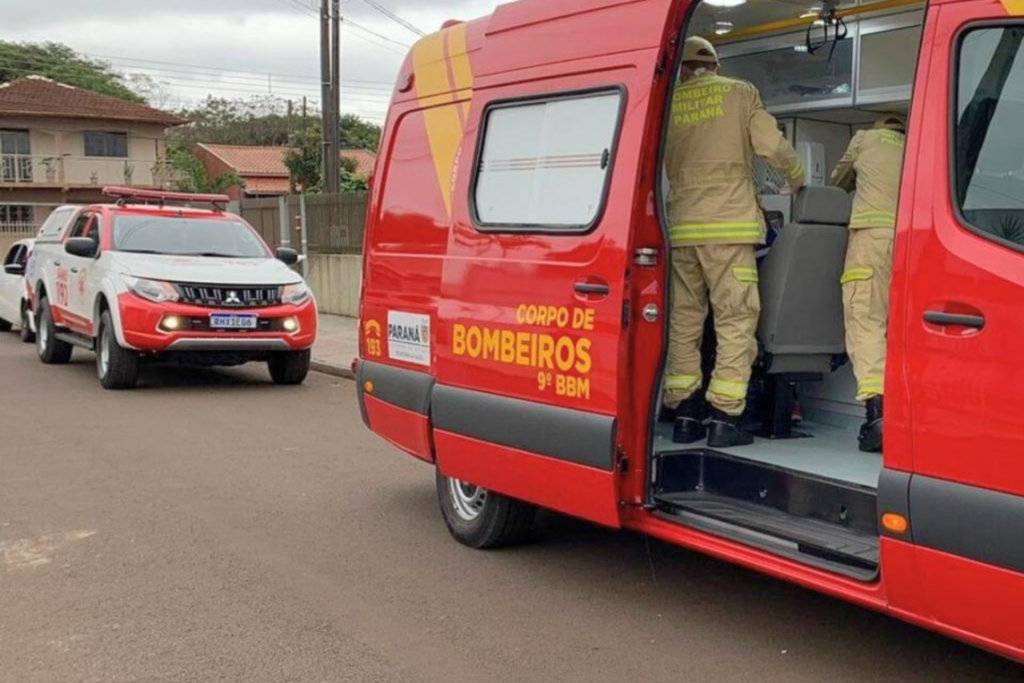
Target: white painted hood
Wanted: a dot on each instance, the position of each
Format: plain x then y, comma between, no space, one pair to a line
201,270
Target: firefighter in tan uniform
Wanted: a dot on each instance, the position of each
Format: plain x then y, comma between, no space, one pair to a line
873,165
715,224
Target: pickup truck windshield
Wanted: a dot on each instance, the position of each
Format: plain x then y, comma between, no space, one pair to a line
989,146
177,236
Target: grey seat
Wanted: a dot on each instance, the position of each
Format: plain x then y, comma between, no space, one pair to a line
801,327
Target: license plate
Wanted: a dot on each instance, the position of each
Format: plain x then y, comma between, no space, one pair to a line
233,322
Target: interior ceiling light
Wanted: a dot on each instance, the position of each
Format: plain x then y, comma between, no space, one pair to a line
723,28
725,3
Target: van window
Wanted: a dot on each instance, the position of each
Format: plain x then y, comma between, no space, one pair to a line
546,164
989,147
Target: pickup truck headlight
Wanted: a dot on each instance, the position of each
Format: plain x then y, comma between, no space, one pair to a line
151,290
295,294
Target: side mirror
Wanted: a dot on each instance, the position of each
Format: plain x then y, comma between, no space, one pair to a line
81,246
14,269
287,256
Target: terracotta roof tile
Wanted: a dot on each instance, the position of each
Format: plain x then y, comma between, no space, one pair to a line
365,160
38,96
269,161
251,161
265,185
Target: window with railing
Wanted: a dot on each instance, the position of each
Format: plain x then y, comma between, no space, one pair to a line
15,159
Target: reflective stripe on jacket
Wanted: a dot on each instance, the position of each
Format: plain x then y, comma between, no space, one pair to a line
873,165
717,126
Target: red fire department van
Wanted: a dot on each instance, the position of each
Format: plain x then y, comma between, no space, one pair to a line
515,294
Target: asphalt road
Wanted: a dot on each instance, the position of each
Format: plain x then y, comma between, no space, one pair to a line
212,527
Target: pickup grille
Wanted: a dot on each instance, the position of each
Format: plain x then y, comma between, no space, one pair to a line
227,296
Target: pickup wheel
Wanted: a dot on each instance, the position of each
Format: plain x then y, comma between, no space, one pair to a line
26,333
117,366
482,519
51,350
289,367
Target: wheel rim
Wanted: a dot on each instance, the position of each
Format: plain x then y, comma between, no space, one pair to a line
44,333
103,356
467,500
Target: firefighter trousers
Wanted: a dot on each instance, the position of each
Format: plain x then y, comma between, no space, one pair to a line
866,305
724,275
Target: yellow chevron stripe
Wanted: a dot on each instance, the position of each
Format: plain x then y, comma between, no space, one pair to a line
462,70
1015,8
444,127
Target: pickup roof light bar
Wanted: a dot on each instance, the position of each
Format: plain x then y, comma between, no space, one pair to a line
130,195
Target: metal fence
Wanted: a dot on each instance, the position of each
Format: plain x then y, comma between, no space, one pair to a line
12,232
314,224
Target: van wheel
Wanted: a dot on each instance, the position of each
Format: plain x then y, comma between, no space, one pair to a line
51,350
482,519
5,326
289,367
117,366
27,335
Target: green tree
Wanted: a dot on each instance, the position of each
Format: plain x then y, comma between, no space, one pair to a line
305,161
189,175
357,133
60,63
264,120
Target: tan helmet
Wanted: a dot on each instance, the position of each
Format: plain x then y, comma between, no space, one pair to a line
697,49
892,122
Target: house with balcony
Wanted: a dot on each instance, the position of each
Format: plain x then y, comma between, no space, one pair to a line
61,145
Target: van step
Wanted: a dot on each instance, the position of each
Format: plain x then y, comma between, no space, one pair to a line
796,493
812,537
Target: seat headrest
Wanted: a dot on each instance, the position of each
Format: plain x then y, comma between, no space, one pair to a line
822,206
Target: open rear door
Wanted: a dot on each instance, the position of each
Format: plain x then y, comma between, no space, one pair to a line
531,379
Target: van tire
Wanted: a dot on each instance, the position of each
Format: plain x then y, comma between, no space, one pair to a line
117,367
499,521
51,350
5,326
26,333
289,368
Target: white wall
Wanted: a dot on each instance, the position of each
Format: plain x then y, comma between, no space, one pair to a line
336,281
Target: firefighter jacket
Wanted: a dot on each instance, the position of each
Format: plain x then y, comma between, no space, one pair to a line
717,125
873,165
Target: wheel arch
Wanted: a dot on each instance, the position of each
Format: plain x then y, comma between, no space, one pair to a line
106,300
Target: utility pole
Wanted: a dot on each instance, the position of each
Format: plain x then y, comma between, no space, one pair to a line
326,88
336,95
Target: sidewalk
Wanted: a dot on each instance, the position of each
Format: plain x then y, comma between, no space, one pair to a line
336,346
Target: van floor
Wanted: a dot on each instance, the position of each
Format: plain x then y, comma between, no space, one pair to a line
830,452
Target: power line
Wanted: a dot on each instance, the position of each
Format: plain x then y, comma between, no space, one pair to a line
394,17
349,22
240,83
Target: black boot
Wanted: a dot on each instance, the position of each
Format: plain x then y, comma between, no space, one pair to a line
667,415
688,427
727,431
871,432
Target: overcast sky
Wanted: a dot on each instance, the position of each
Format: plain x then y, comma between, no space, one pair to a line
248,47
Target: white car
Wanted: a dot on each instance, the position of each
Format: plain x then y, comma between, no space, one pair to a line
14,308
143,281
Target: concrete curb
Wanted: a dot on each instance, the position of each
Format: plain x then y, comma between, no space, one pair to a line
332,370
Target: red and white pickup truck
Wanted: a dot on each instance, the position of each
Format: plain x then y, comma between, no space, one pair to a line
140,281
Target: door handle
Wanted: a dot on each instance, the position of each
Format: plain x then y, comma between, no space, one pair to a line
56,264
74,271
944,319
593,288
